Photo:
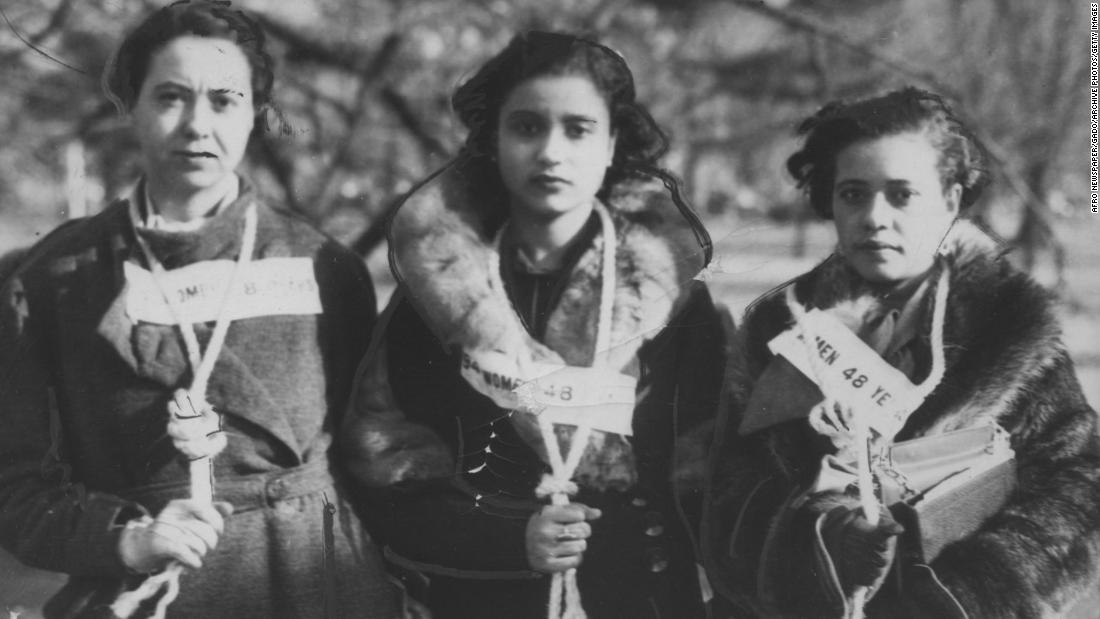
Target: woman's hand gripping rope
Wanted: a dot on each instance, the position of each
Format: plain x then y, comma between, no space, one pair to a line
186,529
557,537
194,427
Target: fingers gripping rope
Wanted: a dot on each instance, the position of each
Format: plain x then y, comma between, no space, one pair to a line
848,429
193,424
565,595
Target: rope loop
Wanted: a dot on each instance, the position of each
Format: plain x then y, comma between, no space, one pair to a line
551,486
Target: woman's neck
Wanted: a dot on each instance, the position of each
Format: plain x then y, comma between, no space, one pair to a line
174,205
544,240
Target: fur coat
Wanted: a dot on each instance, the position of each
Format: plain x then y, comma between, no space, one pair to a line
1005,362
457,472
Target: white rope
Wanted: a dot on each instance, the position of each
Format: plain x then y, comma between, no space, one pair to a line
565,596
824,418
201,470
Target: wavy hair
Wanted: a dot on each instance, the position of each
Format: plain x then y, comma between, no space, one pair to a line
126,71
639,140
838,125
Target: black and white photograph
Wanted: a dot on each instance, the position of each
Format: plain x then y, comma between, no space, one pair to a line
577,309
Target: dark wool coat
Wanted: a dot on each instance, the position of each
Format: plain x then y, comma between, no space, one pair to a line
1005,363
83,446
459,472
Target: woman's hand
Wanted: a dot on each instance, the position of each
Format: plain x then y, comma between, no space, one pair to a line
194,426
861,551
556,536
184,531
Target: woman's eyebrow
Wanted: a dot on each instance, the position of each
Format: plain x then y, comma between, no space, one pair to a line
170,83
227,91
522,112
579,118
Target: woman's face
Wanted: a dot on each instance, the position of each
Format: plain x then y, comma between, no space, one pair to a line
890,208
554,144
194,113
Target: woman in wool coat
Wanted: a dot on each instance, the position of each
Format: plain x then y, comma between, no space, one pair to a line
546,307
974,347
106,324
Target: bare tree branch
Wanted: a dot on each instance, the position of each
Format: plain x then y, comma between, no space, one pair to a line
281,168
604,13
343,148
315,94
799,22
349,58
57,20
999,155
397,104
376,232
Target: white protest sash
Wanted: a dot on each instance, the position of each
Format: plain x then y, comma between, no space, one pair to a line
268,287
602,398
855,373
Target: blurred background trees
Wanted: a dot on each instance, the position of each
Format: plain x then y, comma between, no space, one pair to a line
363,86
362,90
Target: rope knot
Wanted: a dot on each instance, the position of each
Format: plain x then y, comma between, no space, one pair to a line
194,426
552,486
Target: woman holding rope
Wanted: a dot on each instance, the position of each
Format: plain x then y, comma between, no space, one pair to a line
187,323
904,425
537,396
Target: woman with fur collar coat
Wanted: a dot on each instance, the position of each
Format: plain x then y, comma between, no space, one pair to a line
522,294
781,540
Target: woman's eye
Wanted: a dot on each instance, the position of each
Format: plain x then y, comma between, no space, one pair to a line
169,98
525,128
851,194
577,131
901,196
221,102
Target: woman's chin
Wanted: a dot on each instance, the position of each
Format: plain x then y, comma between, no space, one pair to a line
550,209
885,271
194,181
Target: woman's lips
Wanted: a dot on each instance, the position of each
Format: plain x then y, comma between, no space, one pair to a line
549,181
194,157
876,246
195,154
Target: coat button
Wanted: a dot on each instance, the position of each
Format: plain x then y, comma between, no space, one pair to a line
639,502
654,524
276,490
658,560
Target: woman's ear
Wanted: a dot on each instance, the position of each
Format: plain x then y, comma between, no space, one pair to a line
268,119
611,149
953,198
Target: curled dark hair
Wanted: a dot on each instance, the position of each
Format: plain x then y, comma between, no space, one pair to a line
125,73
639,141
838,125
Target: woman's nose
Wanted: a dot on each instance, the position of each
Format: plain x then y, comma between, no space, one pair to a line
197,120
878,212
552,149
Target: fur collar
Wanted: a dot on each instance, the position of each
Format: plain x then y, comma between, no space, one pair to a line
1000,331
441,252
